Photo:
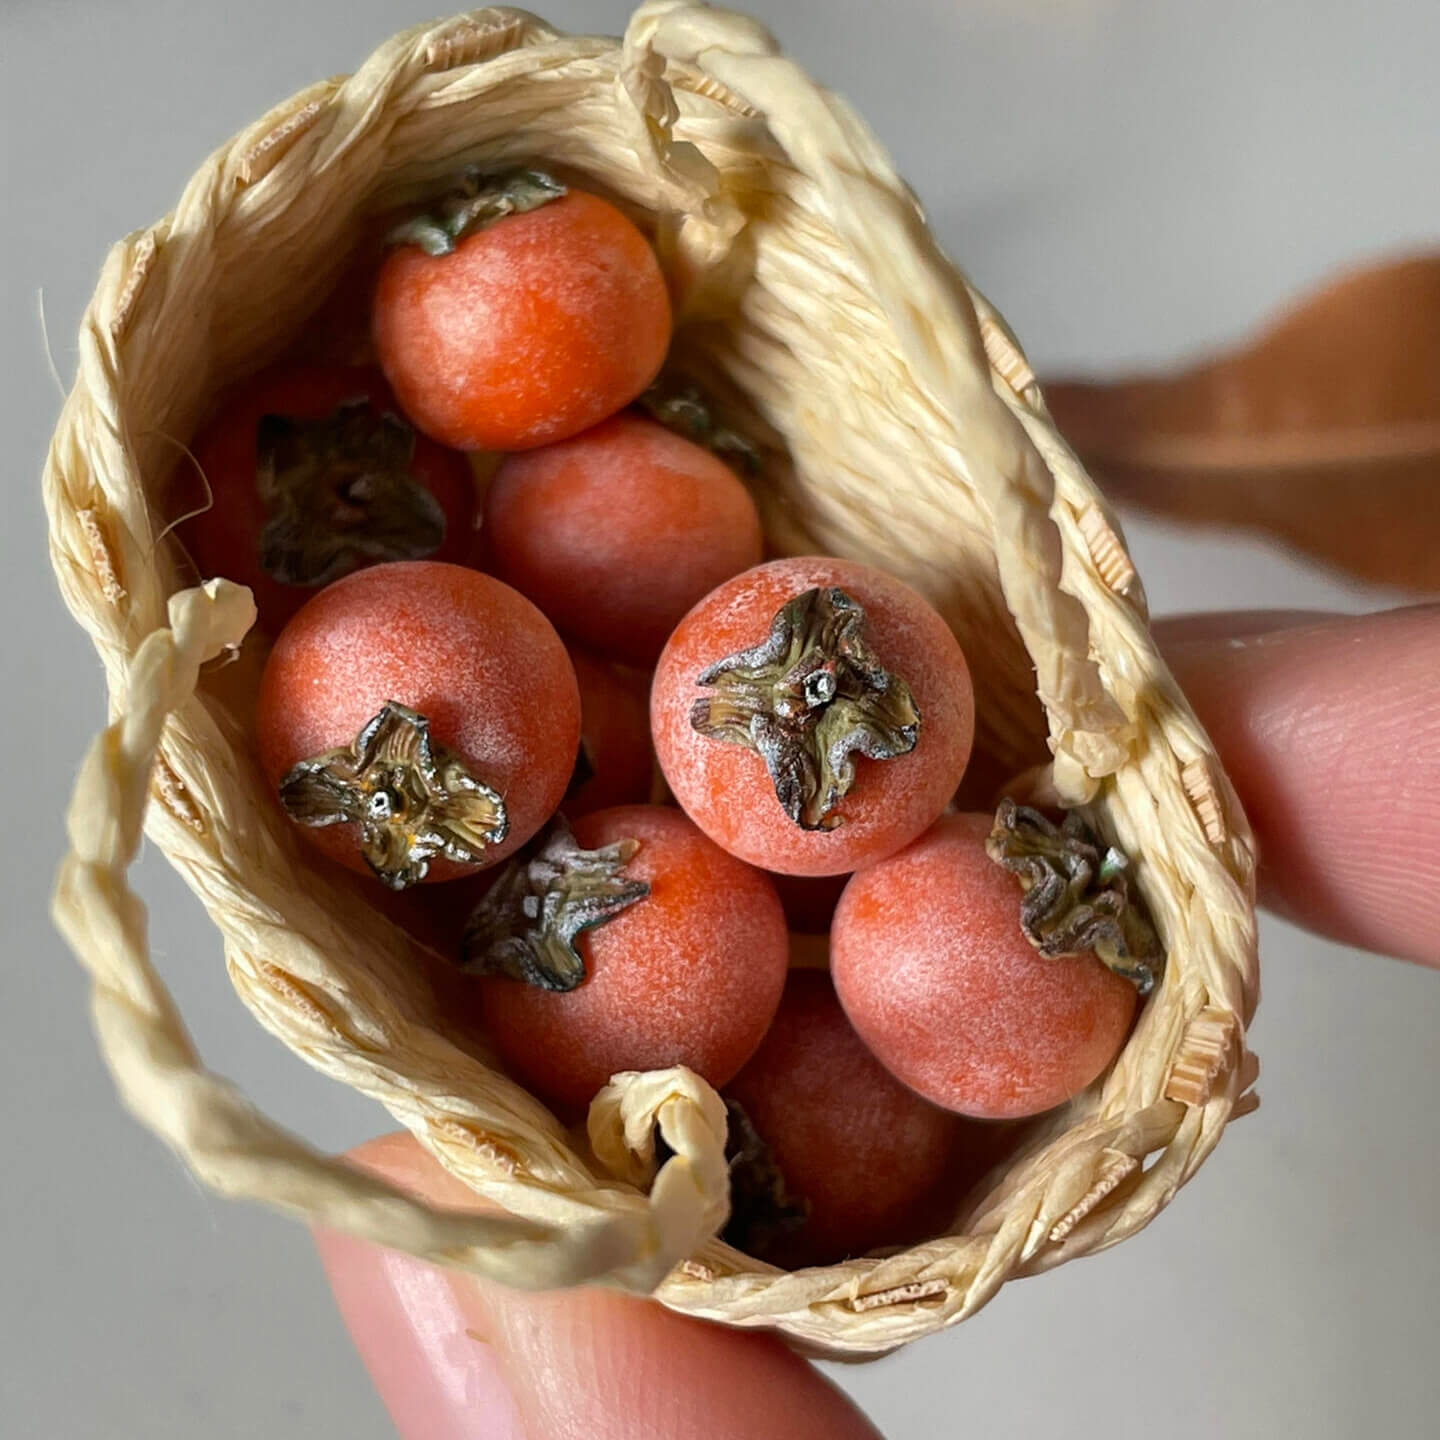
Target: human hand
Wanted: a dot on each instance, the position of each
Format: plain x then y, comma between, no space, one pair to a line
1329,728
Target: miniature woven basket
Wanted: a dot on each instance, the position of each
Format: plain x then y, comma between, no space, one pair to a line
899,424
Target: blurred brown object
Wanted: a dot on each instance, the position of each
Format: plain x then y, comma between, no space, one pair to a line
1322,431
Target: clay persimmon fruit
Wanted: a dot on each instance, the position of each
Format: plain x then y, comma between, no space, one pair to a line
419,720
861,1157
812,715
687,967
938,978
616,763
313,473
617,532
519,314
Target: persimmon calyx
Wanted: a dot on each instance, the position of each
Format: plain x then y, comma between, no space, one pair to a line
763,1212
689,414
529,920
412,799
1076,893
338,493
477,202
807,700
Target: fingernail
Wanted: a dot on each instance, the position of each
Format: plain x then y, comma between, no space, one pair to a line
436,1374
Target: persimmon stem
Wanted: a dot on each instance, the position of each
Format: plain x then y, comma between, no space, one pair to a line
413,800
528,922
477,202
338,493
1075,893
807,700
763,1212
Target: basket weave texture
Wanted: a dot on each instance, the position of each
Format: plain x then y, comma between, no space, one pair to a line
900,425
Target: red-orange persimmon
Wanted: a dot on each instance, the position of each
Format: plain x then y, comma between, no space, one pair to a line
530,329
312,473
885,664
864,1155
469,662
689,975
616,533
616,764
936,975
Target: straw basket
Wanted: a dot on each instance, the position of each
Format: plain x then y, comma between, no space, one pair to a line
899,424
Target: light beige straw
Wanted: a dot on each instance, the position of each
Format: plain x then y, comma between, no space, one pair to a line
900,424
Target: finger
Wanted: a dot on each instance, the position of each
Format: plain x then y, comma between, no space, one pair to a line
1330,731
454,1359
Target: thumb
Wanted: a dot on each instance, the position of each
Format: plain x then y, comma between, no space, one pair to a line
455,1359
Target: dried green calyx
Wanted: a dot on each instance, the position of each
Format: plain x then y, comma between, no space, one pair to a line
478,201
808,700
528,922
413,800
688,413
338,493
1076,893
763,1213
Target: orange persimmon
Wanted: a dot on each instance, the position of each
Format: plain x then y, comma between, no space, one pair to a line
522,314
419,719
812,715
861,1157
616,533
687,969
934,971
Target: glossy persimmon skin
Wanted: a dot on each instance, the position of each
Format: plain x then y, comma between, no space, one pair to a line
529,331
937,977
690,975
614,736
867,1154
616,533
471,655
225,538
725,789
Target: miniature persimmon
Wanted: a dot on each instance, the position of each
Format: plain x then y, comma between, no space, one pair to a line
519,313
981,992
420,720
312,472
633,943
617,532
835,1155
812,715
616,764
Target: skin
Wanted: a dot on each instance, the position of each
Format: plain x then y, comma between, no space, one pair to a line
1254,680
725,788
615,735
864,1152
470,654
690,975
570,524
935,973
225,538
529,331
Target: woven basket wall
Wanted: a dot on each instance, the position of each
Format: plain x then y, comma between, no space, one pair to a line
900,425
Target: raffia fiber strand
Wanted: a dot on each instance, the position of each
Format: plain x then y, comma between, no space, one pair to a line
901,425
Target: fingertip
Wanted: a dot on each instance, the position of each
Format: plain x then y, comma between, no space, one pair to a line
1330,732
580,1362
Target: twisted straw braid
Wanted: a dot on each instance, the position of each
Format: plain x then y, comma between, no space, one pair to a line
901,425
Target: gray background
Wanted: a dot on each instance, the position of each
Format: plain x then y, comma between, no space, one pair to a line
1130,181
